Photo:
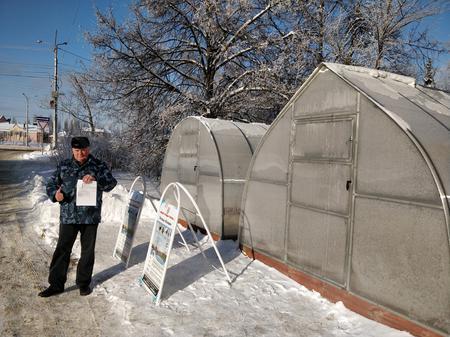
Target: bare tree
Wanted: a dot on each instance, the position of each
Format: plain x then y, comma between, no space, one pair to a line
395,34
349,34
79,103
199,55
240,59
180,58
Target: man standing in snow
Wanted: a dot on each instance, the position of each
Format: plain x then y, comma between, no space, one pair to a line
62,188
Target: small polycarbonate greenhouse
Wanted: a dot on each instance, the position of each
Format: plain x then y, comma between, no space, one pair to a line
348,191
210,157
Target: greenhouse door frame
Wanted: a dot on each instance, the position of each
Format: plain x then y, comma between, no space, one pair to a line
350,162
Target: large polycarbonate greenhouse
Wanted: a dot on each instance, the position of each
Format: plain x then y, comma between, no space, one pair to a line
210,157
348,192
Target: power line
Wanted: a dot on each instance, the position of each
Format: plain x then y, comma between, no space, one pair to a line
76,55
21,48
69,66
28,76
27,72
28,64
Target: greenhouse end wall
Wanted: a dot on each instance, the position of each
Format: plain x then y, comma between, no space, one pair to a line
211,157
341,189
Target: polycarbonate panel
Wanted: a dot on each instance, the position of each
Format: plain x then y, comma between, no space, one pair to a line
172,152
271,161
188,148
327,93
389,164
187,170
432,107
321,185
317,243
263,218
324,139
235,153
208,158
169,172
401,259
189,212
441,96
189,125
209,201
253,132
232,207
433,136
168,176
189,143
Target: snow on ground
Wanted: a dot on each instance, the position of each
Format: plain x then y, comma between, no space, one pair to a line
37,154
197,299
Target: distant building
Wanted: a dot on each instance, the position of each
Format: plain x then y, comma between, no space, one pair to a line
16,134
3,119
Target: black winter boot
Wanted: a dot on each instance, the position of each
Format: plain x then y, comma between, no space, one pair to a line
50,291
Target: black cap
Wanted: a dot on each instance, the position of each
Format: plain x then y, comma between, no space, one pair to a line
80,142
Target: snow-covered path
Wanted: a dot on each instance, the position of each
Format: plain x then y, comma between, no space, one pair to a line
24,264
197,300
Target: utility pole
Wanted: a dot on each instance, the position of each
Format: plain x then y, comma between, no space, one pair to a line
26,121
55,92
55,95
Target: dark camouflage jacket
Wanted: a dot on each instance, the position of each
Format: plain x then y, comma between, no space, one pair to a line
67,173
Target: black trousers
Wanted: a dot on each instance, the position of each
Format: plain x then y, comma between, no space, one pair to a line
61,257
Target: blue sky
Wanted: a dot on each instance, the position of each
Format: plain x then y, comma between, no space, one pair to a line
27,67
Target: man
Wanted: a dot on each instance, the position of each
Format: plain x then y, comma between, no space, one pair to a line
62,188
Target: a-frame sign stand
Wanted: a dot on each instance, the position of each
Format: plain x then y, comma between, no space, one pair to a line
128,227
165,226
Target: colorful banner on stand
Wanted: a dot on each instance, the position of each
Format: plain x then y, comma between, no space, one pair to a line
159,249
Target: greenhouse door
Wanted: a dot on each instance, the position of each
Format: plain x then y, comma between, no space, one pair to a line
321,176
187,164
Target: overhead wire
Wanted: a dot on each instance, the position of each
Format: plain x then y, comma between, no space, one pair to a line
28,64
28,76
76,55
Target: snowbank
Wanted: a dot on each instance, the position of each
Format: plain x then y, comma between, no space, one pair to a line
36,155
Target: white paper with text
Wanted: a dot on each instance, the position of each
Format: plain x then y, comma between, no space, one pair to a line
86,193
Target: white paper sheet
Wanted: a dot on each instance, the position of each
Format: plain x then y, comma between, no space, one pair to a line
86,194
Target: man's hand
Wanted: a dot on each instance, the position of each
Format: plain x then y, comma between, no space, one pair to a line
59,196
87,179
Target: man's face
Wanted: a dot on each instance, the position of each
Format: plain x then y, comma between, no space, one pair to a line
80,155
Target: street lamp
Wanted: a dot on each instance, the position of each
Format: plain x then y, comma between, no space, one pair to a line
55,89
26,121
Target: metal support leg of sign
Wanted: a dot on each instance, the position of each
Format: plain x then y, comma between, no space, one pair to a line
193,232
182,238
178,200
132,214
206,228
160,246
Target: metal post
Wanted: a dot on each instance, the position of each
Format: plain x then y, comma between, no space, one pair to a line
26,121
55,92
55,95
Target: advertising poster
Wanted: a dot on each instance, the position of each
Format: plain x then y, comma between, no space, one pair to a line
128,228
159,249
